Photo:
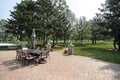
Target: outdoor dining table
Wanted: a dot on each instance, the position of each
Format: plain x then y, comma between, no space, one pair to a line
34,51
37,53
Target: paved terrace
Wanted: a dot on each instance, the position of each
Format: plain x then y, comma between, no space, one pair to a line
58,67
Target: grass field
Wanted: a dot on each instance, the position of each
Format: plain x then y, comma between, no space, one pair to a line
99,51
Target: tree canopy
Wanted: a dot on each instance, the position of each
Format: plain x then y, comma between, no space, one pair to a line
47,17
111,13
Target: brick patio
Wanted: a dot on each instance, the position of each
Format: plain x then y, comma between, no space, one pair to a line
58,67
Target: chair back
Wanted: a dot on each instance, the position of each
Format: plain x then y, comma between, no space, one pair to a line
38,48
24,48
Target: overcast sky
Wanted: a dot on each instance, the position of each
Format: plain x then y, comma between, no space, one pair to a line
86,8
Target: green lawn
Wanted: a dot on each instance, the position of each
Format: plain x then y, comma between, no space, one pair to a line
59,47
99,51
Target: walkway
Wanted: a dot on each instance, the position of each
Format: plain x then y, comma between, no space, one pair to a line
58,67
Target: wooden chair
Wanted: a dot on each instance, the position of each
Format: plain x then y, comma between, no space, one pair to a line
24,48
18,55
42,57
48,53
28,58
48,49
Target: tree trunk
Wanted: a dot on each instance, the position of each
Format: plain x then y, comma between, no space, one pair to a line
79,39
119,45
92,42
95,41
29,40
114,43
56,40
53,41
60,39
64,40
44,39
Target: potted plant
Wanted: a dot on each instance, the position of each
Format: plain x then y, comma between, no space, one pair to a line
65,51
52,49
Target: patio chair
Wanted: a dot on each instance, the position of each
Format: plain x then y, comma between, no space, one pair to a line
28,58
22,57
18,54
48,50
24,48
45,53
42,57
48,53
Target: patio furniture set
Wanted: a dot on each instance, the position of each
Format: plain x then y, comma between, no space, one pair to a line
26,55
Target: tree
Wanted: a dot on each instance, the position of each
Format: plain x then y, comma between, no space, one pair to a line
94,31
22,20
47,17
81,28
111,12
2,30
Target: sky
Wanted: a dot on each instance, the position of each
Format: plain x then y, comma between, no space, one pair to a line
86,8
6,6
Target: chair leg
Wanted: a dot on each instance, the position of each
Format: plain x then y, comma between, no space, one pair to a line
18,57
48,55
23,60
28,62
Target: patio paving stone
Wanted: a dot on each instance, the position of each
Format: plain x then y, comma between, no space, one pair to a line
58,67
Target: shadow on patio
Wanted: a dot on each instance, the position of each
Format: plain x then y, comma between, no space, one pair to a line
15,64
113,68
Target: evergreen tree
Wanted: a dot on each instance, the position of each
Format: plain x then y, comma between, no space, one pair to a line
47,17
111,13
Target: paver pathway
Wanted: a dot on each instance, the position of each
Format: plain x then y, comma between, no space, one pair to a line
58,67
